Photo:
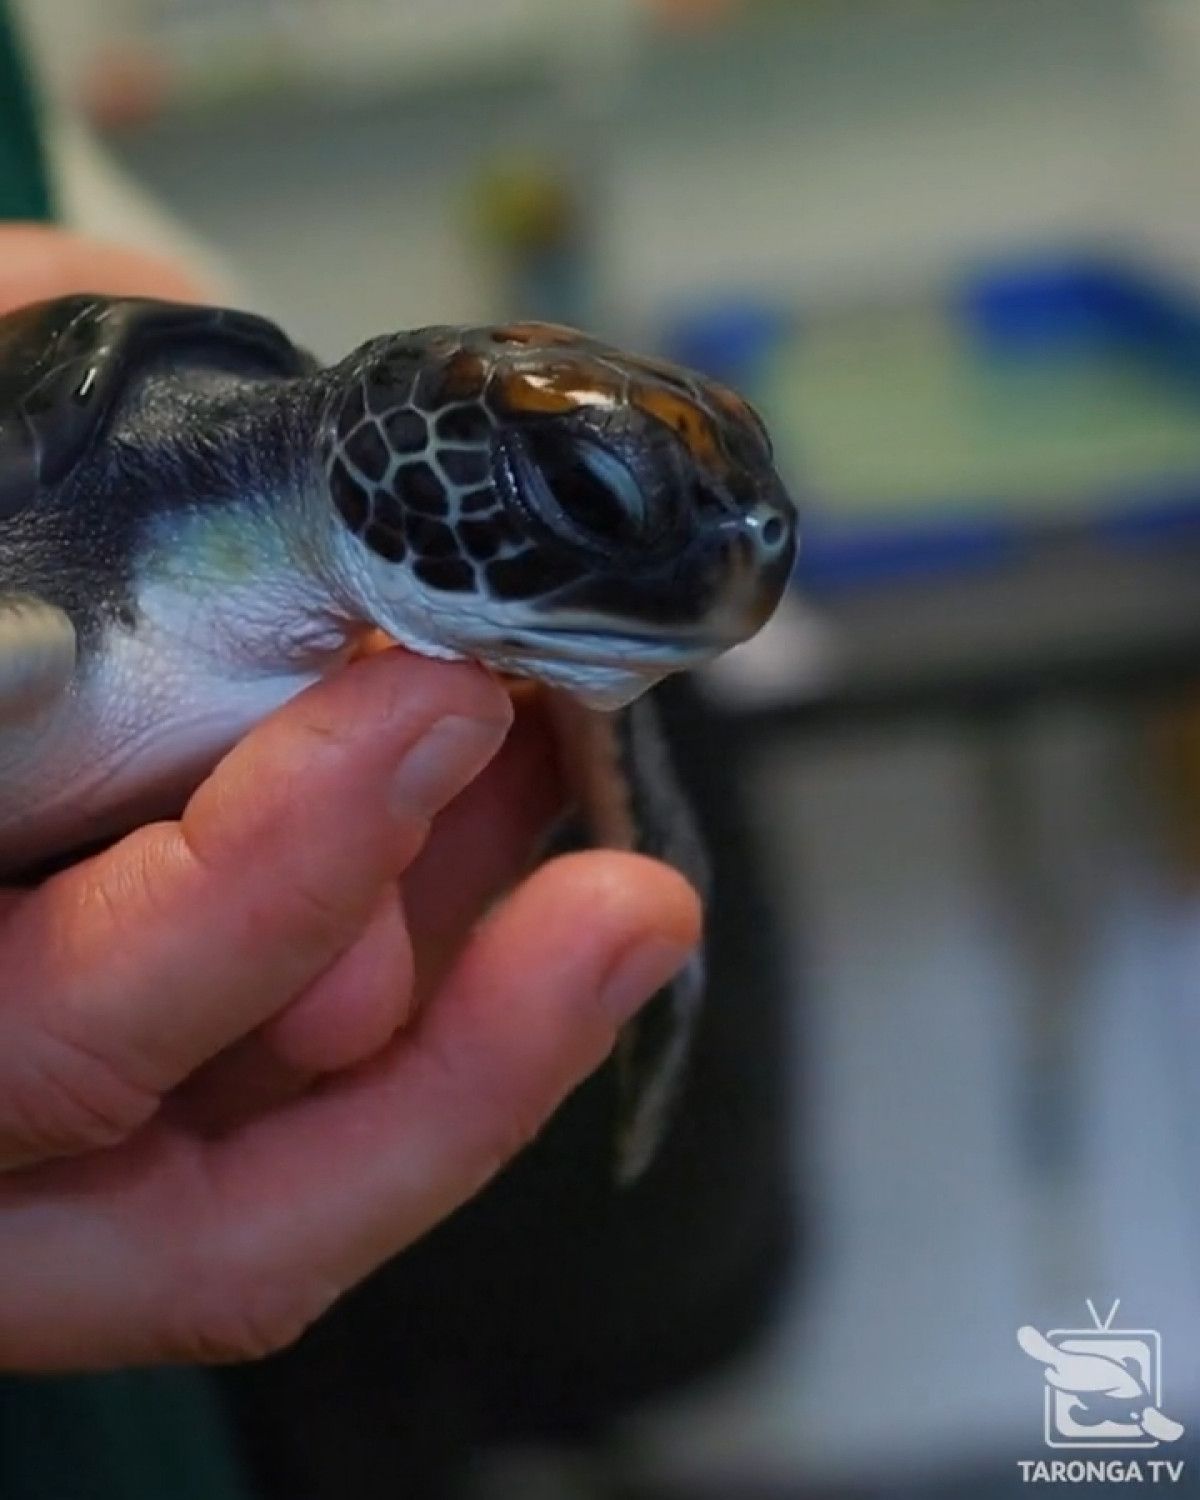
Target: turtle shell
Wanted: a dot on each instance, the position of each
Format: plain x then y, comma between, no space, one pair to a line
65,363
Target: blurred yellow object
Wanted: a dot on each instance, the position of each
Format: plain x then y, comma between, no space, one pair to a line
695,12
124,86
523,205
1174,758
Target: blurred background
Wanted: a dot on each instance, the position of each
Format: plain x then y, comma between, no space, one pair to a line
952,249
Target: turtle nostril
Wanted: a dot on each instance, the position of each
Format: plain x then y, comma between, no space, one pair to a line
772,532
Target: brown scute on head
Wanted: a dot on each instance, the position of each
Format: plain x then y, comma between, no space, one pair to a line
554,388
546,390
684,417
462,379
660,369
730,404
518,392
550,334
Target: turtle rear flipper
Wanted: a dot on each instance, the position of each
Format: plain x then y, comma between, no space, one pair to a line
629,798
37,655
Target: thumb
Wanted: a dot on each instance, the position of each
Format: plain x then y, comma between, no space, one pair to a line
342,1179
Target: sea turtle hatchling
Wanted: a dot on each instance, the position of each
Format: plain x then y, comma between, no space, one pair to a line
197,521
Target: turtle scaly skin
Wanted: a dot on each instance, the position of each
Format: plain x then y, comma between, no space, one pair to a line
197,521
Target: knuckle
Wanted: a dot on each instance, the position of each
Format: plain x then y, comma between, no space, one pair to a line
66,1100
321,914
248,1315
510,1118
128,888
299,901
516,1130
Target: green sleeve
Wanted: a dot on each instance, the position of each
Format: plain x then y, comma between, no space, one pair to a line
24,181
131,1435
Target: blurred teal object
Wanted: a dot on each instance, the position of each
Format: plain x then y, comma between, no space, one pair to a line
25,191
530,212
131,1435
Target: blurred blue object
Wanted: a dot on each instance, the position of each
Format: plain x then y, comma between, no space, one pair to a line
1051,304
839,557
1168,511
1055,304
729,339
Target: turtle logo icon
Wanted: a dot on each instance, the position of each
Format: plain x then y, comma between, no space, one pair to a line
1103,1385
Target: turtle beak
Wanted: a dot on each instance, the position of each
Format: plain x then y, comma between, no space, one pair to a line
722,589
742,565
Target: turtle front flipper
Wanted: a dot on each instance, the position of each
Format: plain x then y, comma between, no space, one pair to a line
629,797
37,655
653,1049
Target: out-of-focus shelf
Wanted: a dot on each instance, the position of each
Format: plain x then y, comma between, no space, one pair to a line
205,54
1000,498
1072,621
188,57
254,50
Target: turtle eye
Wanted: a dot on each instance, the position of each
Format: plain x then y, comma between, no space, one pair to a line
593,491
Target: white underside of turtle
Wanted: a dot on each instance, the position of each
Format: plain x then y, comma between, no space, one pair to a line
141,725
153,706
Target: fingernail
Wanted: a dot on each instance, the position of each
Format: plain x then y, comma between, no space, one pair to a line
640,973
443,762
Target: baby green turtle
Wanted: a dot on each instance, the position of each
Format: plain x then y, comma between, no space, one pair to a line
197,521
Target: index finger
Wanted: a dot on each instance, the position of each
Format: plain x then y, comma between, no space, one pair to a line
38,261
127,972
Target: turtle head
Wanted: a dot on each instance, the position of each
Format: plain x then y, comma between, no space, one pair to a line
532,497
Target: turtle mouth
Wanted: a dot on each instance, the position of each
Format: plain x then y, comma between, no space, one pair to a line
634,652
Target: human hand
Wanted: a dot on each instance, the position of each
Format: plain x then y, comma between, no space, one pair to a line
220,1101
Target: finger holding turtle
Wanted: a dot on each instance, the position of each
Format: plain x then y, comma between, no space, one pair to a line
148,1239
479,847
39,261
129,971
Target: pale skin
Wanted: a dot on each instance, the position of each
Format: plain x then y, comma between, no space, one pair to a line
247,1056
